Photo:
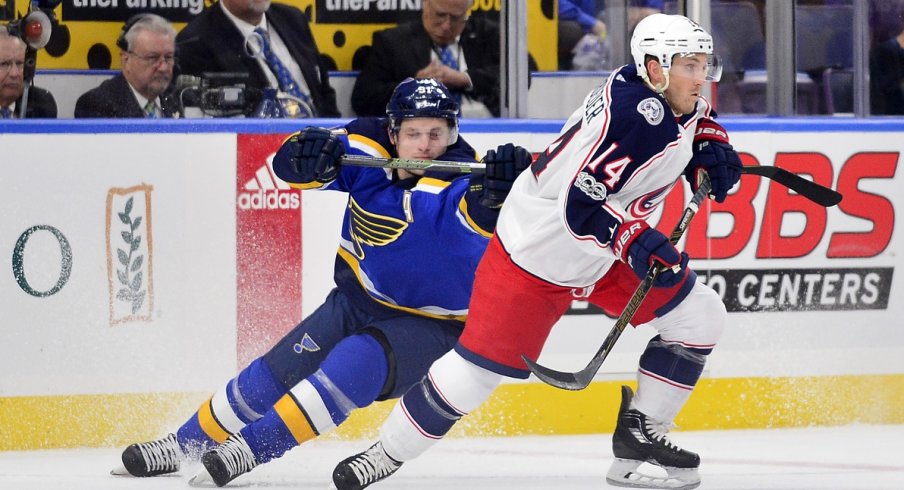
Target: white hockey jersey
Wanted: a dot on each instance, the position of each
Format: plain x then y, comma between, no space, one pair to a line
615,160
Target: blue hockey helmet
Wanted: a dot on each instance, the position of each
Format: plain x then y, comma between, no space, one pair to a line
422,98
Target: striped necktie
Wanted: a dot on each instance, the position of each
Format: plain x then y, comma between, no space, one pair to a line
6,113
286,83
447,58
150,110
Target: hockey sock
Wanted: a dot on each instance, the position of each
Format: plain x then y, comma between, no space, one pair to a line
668,373
351,377
452,388
242,400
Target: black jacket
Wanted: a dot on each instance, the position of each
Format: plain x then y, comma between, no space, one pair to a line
212,43
113,98
41,105
400,52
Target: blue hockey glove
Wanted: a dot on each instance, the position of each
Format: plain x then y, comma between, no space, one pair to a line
638,245
503,165
713,153
312,155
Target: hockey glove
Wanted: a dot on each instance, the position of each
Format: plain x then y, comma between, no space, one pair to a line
312,155
638,245
715,155
503,165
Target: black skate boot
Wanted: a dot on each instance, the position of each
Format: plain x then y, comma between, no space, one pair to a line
226,462
364,469
151,458
639,439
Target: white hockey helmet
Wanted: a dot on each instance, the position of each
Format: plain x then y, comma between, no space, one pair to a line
666,36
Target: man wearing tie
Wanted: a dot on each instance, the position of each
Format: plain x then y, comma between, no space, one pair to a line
147,56
271,42
447,45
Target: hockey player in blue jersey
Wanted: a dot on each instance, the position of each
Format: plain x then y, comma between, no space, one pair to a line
409,245
575,225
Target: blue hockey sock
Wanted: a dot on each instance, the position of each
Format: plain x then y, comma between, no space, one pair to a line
241,401
430,411
672,361
351,377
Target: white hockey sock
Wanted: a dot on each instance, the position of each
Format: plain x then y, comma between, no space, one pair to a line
659,400
461,387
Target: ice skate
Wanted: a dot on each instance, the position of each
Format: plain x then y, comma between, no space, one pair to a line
639,439
364,469
151,458
225,462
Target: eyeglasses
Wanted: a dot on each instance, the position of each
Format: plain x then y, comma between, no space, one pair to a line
154,59
442,17
7,65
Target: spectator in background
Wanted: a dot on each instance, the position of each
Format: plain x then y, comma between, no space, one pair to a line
886,67
271,42
578,18
582,30
447,45
12,83
147,55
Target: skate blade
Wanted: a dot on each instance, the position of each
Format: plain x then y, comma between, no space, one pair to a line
202,479
624,473
120,470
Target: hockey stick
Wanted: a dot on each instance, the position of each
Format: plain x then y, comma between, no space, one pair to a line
820,195
581,379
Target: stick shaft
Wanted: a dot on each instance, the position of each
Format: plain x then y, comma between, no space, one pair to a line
819,194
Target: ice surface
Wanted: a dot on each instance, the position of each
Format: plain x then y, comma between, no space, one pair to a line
839,458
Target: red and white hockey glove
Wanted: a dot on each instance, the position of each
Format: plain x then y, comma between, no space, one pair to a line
638,245
713,153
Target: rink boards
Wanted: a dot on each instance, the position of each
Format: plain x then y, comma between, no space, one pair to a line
145,262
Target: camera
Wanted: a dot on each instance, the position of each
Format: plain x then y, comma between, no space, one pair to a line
215,94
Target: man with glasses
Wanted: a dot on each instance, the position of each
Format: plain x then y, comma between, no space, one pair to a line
147,55
446,45
12,83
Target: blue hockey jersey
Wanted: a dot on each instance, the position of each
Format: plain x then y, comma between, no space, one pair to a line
412,244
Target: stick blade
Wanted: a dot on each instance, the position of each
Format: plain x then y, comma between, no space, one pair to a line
566,381
811,190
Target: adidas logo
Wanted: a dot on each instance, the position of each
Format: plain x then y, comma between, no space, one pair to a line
267,191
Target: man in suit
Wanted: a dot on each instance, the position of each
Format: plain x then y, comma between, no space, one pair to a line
250,36
12,83
148,48
447,45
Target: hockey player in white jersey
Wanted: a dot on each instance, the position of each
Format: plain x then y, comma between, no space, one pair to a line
575,225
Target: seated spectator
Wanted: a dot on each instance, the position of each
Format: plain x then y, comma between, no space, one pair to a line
582,30
273,43
577,18
886,68
147,54
40,103
447,45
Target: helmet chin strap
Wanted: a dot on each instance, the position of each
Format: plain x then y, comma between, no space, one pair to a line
659,87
